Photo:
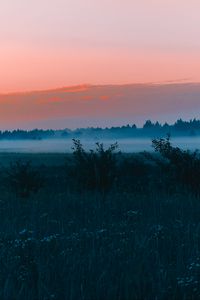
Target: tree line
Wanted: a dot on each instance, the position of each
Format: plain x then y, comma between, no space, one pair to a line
149,129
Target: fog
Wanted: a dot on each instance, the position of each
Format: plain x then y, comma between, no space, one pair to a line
65,146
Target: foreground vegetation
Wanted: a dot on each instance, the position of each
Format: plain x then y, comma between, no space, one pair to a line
100,225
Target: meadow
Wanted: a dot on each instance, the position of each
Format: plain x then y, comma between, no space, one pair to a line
100,225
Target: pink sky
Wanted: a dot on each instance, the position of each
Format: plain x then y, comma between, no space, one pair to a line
100,105
47,44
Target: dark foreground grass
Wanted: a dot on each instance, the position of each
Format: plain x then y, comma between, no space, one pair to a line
137,241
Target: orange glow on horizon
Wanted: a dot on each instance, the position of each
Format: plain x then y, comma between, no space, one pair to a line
127,102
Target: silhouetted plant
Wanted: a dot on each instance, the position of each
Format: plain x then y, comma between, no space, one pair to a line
23,179
184,164
134,173
95,169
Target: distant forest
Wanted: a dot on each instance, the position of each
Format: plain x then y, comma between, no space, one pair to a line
149,129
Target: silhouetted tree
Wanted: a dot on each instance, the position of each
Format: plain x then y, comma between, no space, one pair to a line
23,179
95,169
184,165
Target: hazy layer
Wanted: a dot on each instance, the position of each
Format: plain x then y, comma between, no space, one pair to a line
64,146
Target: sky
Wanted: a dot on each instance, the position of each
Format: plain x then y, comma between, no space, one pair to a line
49,44
46,43
99,105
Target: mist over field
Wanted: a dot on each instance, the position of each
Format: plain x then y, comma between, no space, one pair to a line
65,146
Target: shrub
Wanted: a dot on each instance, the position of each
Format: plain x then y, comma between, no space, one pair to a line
134,173
23,179
95,169
184,164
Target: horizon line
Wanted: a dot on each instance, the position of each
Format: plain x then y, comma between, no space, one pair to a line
162,123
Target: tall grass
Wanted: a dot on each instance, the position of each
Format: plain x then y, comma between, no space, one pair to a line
138,240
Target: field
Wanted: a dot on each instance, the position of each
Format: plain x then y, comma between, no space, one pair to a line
137,237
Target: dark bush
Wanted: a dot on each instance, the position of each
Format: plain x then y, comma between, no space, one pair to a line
24,179
183,165
96,169
134,173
